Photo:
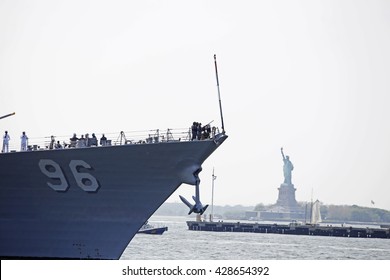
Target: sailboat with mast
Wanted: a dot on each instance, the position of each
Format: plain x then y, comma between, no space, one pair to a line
315,218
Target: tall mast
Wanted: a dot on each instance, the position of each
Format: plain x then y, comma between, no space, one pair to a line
219,94
311,208
212,197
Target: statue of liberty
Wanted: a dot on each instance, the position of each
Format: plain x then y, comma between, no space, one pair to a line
287,168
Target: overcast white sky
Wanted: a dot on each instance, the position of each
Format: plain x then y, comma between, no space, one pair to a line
311,76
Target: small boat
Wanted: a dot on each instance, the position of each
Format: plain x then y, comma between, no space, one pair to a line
150,229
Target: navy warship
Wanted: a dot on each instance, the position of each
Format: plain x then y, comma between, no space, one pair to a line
89,202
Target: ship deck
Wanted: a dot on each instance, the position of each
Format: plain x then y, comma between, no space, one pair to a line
113,139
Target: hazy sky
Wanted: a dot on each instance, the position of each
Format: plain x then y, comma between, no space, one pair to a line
311,76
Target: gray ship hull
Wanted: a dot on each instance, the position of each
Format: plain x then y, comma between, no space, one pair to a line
88,203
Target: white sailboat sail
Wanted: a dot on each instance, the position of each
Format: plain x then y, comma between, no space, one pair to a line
315,213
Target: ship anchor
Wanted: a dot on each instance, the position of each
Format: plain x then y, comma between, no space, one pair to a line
198,206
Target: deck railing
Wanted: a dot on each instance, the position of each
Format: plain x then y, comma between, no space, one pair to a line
113,139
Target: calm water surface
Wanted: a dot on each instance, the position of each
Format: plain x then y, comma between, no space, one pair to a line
179,243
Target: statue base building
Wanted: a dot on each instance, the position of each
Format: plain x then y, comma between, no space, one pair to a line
286,207
286,197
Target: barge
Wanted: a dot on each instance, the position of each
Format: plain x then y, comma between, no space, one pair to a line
292,228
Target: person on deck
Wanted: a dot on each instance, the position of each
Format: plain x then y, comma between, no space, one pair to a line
23,141
103,140
6,139
58,145
52,142
73,140
93,140
194,130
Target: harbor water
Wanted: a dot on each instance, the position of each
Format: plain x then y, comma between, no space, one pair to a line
179,243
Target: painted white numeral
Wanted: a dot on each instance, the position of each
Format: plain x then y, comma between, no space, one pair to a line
84,180
52,170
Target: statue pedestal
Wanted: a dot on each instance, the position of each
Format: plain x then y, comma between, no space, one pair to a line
286,197
286,207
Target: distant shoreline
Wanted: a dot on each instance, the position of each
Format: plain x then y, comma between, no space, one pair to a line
336,214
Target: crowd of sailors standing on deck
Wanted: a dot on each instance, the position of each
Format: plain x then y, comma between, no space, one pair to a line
87,141
200,132
74,142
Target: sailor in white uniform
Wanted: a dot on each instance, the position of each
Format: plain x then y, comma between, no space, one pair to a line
6,139
23,142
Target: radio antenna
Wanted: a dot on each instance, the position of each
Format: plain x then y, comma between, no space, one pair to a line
219,94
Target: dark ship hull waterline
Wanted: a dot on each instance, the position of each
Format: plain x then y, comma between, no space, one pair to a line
88,203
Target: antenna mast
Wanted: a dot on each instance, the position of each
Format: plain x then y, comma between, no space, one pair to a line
5,116
219,94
